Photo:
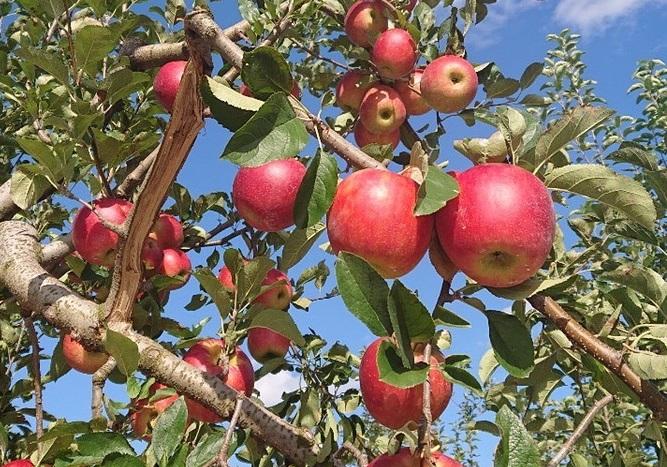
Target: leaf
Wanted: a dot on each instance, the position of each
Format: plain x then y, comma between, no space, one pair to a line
487,365
449,318
516,448
174,10
58,366
535,100
206,450
274,132
102,444
123,350
317,190
648,366
462,377
50,63
393,372
91,45
122,83
215,290
658,181
602,184
265,71
511,343
502,87
280,322
250,277
168,431
530,74
310,410
230,108
27,185
437,189
364,293
635,155
642,280
298,244
420,325
531,287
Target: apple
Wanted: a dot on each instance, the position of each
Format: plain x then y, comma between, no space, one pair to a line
449,83
403,458
372,217
278,297
206,356
265,344
351,89
364,21
151,254
440,261
167,231
410,93
166,83
441,460
394,53
382,110
175,263
296,91
500,227
145,411
392,406
265,195
92,240
363,137
19,463
79,358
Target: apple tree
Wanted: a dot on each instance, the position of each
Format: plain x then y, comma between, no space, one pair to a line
560,211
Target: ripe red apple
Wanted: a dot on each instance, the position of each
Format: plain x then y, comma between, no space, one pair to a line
372,217
382,110
151,254
363,137
410,93
441,460
265,344
79,358
500,228
145,411
296,91
351,89
449,83
440,261
265,195
93,241
394,53
278,297
403,458
166,83
393,407
167,231
364,21
206,356
19,463
175,263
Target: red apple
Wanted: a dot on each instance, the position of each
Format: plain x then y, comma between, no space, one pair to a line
500,228
79,358
296,91
351,89
363,137
151,254
394,53
265,344
449,83
410,93
206,356
278,297
175,263
19,463
265,195
441,460
166,83
167,231
382,110
403,458
145,411
364,21
394,407
93,241
372,217
440,261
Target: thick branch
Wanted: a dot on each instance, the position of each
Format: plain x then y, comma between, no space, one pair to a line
98,380
647,392
137,175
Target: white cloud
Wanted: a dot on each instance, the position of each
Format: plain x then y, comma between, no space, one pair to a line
594,16
499,14
271,387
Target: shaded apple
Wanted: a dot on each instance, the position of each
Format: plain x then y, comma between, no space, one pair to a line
175,263
265,344
167,231
264,196
145,411
403,458
351,89
449,83
500,228
440,261
363,137
278,297
382,110
394,53
79,358
372,217
364,21
151,254
410,92
166,83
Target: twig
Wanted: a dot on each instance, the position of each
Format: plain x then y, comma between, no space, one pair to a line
424,442
36,375
134,178
223,241
95,155
314,54
359,455
580,430
99,378
222,456
70,42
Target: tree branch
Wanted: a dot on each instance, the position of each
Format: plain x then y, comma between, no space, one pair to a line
222,456
359,455
36,375
425,425
134,178
98,380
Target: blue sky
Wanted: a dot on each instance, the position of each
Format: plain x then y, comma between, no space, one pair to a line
616,34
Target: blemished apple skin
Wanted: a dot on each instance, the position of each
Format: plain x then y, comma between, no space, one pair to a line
363,137
351,89
265,195
410,93
277,297
394,407
80,359
382,110
394,53
167,231
449,83
166,83
403,458
372,217
94,242
500,228
364,21
205,356
265,344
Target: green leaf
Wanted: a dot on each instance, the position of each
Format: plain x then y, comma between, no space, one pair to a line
265,71
502,87
393,372
298,244
420,325
317,190
530,74
91,45
123,350
215,290
642,280
516,448
658,181
28,185
122,83
169,428
310,410
364,293
122,460
174,11
448,318
437,189
487,365
511,343
462,377
274,132
250,276
58,365
635,155
648,366
50,63
602,184
102,444
532,286
230,108
280,322
206,450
